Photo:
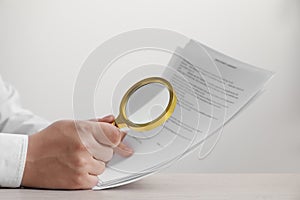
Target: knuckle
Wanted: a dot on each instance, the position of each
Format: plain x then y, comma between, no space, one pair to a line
78,181
80,162
79,146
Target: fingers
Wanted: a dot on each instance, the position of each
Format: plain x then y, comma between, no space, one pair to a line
85,170
123,134
123,150
107,134
101,138
96,167
100,152
108,119
91,181
105,153
83,181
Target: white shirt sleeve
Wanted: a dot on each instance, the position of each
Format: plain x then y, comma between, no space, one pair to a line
13,149
15,124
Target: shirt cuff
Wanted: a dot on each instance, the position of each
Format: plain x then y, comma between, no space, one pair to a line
13,150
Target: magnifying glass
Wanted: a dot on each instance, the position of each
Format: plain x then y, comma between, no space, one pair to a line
146,105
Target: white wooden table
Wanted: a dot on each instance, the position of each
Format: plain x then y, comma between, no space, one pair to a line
181,186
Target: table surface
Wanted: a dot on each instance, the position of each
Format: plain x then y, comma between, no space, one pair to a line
181,186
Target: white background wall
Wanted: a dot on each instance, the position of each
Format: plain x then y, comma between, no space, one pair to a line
43,43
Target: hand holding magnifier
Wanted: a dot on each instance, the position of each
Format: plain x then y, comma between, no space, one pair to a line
146,105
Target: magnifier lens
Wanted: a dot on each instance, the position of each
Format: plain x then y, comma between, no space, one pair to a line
147,103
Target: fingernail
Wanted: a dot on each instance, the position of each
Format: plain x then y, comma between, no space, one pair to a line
128,150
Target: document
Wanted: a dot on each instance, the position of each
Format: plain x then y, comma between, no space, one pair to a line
211,89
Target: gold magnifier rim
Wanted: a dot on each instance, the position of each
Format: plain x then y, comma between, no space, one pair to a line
123,121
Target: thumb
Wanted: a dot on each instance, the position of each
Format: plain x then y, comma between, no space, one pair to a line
107,119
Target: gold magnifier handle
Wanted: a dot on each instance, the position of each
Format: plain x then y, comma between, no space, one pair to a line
119,122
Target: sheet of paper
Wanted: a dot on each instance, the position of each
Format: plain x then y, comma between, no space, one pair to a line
211,88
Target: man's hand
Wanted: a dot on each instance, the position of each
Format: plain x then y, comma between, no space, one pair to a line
70,154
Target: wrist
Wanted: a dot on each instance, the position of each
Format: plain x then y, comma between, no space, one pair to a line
28,172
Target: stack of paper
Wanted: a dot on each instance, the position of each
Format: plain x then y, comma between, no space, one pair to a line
211,89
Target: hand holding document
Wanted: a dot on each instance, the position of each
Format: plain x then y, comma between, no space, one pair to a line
211,89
